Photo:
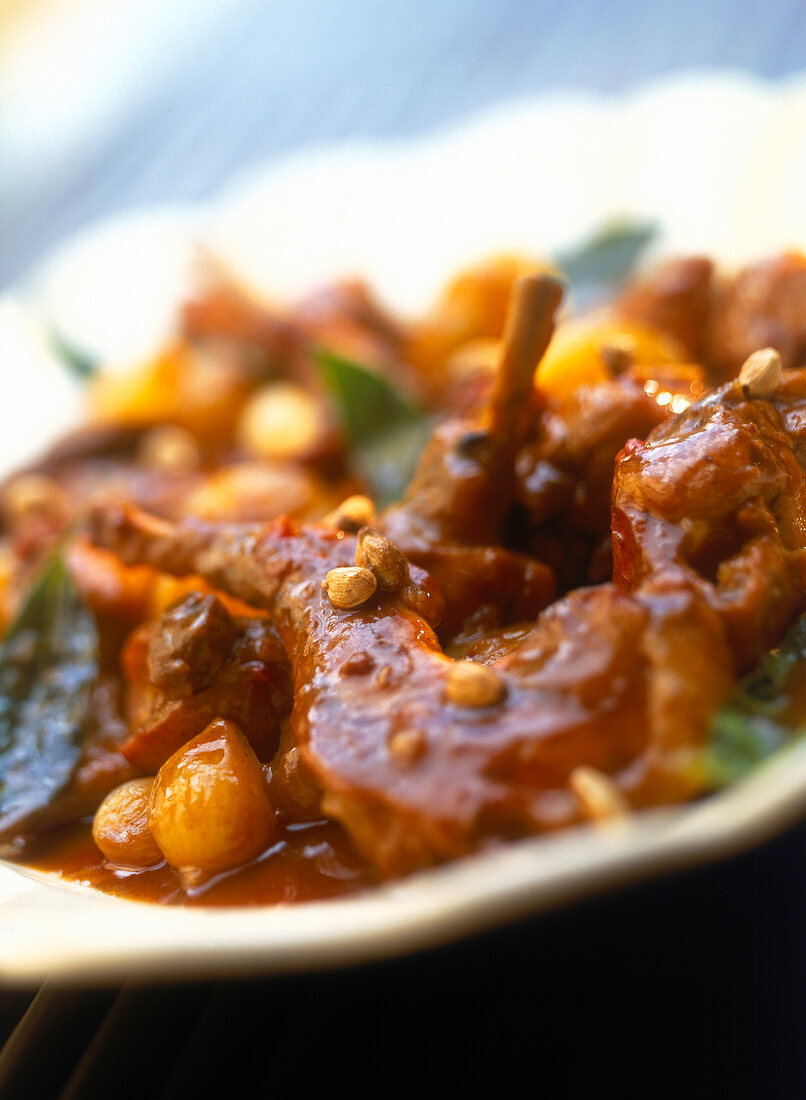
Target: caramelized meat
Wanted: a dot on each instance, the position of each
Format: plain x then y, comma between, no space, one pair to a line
764,305
191,645
453,518
565,472
675,298
197,663
452,524
719,494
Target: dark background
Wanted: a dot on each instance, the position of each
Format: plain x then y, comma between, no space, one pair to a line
690,986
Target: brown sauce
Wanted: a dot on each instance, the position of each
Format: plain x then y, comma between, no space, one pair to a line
310,862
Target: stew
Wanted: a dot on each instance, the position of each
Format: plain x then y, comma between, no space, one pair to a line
321,596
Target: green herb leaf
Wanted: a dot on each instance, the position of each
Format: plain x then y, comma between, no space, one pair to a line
608,257
80,362
386,432
47,664
767,710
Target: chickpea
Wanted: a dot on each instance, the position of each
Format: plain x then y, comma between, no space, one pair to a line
170,449
30,494
120,827
281,421
209,809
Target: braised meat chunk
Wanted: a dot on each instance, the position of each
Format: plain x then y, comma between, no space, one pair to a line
196,663
735,519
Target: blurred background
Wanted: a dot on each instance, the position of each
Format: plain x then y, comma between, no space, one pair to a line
108,106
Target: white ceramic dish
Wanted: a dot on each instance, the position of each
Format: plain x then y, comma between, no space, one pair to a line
716,160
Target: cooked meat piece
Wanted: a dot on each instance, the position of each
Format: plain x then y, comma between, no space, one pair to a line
453,518
565,472
343,317
346,316
675,297
451,523
719,494
191,645
196,663
764,305
225,312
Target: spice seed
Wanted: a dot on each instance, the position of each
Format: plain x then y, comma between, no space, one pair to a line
350,586
600,798
760,375
472,685
406,746
374,551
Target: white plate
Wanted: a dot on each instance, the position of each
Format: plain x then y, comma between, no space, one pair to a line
716,160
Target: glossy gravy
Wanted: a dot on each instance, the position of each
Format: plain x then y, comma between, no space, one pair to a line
310,862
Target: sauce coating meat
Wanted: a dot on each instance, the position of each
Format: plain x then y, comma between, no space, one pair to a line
604,532
196,663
